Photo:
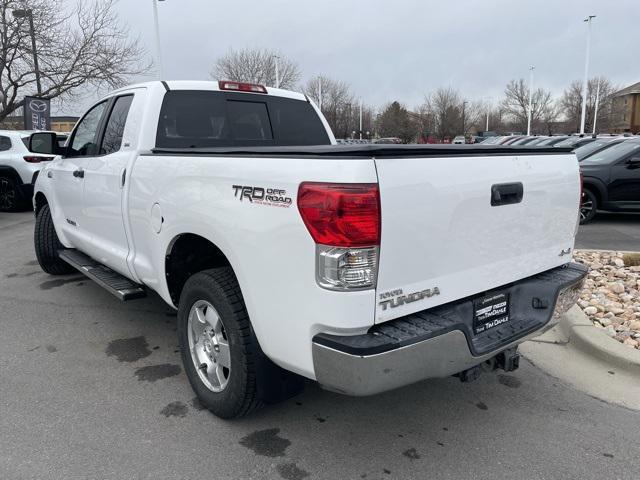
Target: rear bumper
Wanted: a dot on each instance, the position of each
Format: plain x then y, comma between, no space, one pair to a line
440,342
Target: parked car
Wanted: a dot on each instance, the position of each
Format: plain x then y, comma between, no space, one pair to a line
355,267
492,140
18,170
509,139
459,140
598,145
550,141
525,140
388,140
611,180
575,141
538,140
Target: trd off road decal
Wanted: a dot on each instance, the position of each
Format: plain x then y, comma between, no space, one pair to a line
395,298
262,196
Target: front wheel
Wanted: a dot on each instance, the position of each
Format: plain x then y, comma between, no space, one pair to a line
219,350
47,245
588,206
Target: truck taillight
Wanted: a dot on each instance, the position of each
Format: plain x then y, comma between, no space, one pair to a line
241,87
35,159
344,221
341,214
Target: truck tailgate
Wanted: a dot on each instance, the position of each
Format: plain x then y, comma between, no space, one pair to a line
443,240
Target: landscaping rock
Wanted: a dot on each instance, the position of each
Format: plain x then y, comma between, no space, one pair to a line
611,295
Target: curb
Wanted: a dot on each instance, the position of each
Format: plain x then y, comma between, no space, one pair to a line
600,250
581,333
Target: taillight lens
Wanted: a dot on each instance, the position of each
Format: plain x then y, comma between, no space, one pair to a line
341,214
340,268
344,221
34,159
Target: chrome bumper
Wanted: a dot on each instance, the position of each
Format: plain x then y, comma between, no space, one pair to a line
352,371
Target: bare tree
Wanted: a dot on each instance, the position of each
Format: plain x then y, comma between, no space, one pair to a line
256,65
445,105
571,104
516,105
339,106
84,47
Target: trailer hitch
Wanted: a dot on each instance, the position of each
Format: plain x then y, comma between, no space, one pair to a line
507,360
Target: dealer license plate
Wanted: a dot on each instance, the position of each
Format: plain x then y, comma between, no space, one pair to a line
490,311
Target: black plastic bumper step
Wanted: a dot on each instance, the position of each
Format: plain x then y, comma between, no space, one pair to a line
526,317
113,282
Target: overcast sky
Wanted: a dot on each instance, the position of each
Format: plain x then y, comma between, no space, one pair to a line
402,49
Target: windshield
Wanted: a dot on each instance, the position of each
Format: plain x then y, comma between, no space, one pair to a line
551,141
585,150
614,153
569,142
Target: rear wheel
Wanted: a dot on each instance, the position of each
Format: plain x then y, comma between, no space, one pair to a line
588,206
10,196
219,350
47,245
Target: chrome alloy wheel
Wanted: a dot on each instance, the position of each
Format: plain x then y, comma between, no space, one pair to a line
585,209
209,346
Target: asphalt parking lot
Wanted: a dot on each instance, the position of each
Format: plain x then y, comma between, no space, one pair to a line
611,231
93,388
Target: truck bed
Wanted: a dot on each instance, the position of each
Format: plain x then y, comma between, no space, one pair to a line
367,151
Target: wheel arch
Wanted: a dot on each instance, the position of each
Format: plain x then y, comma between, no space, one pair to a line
39,201
597,188
187,254
6,171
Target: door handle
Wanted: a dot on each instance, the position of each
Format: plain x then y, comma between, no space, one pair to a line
78,173
506,194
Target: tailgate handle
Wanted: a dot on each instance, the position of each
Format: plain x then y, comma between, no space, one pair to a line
506,194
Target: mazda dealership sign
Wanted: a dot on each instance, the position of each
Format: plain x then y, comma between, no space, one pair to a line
37,113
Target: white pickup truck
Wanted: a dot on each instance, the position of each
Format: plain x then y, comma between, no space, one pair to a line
364,268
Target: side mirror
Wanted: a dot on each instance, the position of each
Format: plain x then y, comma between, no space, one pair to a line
635,160
44,142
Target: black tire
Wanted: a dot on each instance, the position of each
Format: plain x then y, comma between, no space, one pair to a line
220,288
588,206
48,245
11,199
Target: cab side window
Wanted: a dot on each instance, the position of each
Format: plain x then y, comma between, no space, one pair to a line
112,140
84,142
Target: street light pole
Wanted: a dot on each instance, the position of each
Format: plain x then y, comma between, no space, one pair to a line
277,71
531,69
463,129
360,119
158,47
488,106
586,73
29,14
595,109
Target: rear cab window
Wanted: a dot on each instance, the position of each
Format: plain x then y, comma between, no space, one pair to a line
200,119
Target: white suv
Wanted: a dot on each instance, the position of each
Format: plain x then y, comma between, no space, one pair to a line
18,170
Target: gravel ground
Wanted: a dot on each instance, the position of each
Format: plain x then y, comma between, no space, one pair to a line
611,296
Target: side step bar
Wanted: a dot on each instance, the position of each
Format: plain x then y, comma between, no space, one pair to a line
113,282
